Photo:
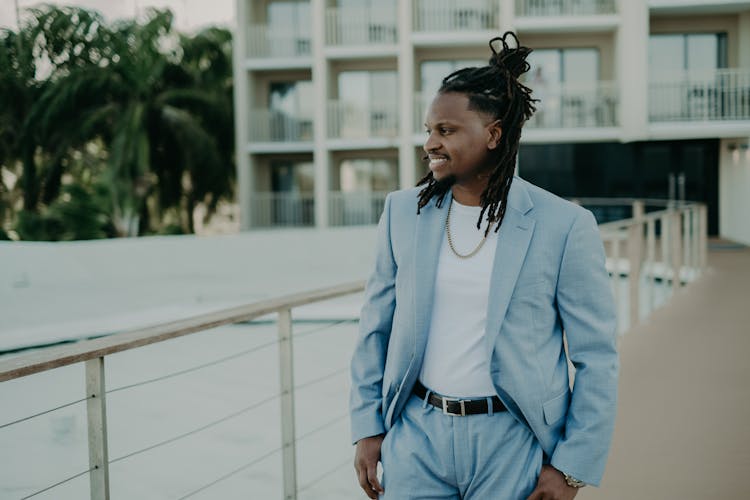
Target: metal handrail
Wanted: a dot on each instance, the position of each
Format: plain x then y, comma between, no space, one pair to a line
92,353
59,356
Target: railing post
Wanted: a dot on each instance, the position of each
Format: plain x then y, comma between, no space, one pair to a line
675,236
695,232
665,237
638,209
651,262
703,236
286,372
687,234
96,409
616,274
635,250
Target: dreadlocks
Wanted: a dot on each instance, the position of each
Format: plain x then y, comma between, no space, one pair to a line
493,90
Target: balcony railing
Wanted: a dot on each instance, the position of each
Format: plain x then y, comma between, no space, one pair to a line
450,15
355,208
361,25
347,120
267,125
280,209
543,8
575,106
722,94
265,42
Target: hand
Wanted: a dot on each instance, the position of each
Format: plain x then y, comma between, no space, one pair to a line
366,459
551,485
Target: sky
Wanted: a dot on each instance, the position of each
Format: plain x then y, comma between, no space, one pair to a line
189,14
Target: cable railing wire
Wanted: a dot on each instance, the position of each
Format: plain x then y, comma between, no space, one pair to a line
257,348
319,428
324,475
197,430
321,379
196,368
232,473
223,359
327,326
262,457
59,483
43,413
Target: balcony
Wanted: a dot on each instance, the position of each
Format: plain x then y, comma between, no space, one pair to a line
273,126
566,16
363,122
367,28
465,21
576,106
547,8
705,96
282,209
355,208
273,49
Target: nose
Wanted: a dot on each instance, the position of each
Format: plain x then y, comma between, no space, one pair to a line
432,143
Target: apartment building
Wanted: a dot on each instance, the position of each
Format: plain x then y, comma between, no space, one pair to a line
639,98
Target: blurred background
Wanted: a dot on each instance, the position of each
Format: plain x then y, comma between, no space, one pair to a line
318,114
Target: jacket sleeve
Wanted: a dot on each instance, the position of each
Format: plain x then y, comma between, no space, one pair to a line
368,360
587,311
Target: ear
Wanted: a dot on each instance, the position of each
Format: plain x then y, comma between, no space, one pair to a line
495,132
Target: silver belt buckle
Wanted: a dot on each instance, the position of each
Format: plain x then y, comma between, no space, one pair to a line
459,401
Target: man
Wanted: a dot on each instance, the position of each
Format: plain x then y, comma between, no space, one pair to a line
460,378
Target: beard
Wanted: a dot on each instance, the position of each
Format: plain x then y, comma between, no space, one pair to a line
443,185
440,187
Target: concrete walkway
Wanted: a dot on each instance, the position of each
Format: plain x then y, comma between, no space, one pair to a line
683,426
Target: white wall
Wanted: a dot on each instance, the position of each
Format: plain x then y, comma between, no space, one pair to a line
734,191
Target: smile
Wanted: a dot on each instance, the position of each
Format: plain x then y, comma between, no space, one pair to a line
436,161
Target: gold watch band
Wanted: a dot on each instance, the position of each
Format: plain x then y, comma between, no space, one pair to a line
575,483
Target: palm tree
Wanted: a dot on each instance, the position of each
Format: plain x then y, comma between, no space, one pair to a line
153,114
45,49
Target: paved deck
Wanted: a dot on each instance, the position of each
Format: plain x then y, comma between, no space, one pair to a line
683,426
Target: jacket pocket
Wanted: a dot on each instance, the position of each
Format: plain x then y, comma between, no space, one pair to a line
556,408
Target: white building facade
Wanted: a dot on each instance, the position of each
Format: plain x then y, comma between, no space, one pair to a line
639,98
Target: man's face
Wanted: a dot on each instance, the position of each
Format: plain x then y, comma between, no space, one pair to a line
459,140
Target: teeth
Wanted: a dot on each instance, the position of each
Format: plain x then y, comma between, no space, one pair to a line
437,160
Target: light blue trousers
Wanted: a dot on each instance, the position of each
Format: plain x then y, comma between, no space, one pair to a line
429,455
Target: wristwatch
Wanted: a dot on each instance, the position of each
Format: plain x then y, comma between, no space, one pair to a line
575,483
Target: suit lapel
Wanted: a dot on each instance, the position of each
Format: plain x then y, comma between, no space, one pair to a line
512,244
429,239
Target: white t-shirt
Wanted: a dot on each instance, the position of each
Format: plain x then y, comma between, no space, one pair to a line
456,358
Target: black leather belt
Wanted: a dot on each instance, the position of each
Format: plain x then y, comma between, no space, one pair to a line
459,407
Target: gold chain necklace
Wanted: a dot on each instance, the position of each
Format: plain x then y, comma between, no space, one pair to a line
450,239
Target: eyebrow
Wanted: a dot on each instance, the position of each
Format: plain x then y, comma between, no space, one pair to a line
443,123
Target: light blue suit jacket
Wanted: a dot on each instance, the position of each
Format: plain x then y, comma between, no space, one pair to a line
548,276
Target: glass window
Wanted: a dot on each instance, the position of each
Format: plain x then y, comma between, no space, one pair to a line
666,54
670,53
580,65
368,87
433,72
554,66
292,98
290,17
368,175
702,52
292,177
